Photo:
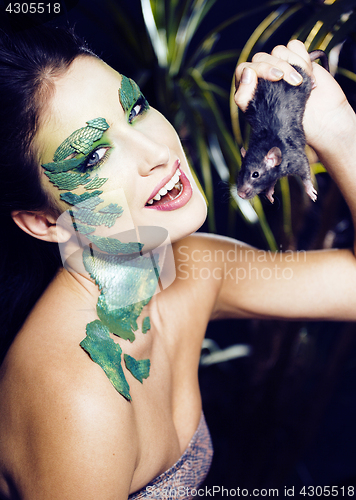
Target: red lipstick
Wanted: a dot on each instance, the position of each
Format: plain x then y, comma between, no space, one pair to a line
175,198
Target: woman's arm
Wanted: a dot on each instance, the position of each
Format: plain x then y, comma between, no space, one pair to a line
308,285
252,283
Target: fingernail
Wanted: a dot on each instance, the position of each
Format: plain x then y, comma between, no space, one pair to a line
277,72
313,81
246,76
296,77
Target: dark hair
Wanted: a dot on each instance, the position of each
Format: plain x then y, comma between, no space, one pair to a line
28,63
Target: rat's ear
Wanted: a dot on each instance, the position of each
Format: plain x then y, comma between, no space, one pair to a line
40,225
273,158
243,152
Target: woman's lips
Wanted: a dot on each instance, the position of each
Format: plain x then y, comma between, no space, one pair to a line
165,180
181,197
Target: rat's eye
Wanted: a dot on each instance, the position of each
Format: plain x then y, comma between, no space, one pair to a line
255,174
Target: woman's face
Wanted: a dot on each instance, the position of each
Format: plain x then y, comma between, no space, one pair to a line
138,153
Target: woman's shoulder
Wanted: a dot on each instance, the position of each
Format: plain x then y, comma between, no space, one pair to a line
62,423
46,366
204,247
199,261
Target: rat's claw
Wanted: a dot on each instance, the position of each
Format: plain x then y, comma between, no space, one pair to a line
269,194
310,190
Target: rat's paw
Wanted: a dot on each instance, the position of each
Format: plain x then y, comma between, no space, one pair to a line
269,194
310,190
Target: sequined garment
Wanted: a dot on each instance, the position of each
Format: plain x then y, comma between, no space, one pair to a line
186,474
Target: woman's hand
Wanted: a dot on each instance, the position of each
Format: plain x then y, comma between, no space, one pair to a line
328,116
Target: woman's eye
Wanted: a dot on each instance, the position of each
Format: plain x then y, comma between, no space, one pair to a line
93,160
140,106
95,157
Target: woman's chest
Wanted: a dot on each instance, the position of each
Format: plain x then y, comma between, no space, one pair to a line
167,404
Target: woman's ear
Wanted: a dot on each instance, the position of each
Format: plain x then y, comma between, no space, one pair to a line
40,225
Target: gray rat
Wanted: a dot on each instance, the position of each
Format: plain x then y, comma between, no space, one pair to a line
277,142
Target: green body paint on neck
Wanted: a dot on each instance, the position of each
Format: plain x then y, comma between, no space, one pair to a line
126,284
140,369
107,354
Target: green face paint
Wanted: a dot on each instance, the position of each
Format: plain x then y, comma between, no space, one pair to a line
95,183
87,216
130,94
126,279
126,285
75,199
81,140
69,174
68,180
81,228
57,167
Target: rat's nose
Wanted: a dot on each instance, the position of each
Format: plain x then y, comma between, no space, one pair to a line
242,194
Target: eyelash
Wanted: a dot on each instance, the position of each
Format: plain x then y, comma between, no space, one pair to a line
85,167
142,102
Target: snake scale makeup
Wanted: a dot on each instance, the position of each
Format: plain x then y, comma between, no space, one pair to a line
127,279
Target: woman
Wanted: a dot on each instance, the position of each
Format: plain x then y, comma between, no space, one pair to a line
72,423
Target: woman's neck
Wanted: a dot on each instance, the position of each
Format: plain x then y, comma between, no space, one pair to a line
121,285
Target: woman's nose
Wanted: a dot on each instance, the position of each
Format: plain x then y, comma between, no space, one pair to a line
152,153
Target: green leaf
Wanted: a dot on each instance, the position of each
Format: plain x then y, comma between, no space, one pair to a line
211,62
287,208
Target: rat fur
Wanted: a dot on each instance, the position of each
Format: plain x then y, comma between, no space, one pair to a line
277,142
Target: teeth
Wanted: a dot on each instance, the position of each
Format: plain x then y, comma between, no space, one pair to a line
170,185
167,187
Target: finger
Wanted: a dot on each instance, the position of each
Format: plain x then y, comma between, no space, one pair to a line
294,53
298,47
299,56
246,87
262,69
265,62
